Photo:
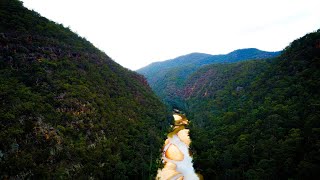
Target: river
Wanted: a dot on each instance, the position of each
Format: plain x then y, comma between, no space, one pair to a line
176,156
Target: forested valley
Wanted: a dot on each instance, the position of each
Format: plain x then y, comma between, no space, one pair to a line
68,111
254,119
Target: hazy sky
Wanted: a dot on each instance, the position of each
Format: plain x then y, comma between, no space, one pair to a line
137,32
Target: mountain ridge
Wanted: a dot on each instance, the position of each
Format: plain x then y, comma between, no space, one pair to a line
197,56
167,77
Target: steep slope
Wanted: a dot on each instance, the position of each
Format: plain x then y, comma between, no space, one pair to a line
168,78
258,119
67,110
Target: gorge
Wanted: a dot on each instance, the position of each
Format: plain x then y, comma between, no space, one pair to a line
69,111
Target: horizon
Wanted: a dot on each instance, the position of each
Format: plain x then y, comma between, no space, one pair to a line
205,54
136,34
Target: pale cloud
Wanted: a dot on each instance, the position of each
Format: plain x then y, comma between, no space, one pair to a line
135,33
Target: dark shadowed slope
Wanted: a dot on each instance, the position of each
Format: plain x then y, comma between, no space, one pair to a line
67,110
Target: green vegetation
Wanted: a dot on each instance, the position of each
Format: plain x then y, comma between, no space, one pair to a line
67,110
257,119
168,78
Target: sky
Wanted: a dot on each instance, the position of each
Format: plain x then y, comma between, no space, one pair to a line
135,33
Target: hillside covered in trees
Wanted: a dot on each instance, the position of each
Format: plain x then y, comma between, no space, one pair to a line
257,119
67,110
168,78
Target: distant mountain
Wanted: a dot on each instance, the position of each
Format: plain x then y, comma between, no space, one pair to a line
168,77
200,59
172,63
68,111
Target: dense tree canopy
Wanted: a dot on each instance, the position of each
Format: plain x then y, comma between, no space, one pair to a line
67,110
168,78
257,119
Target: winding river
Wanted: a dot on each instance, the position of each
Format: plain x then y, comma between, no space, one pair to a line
176,156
